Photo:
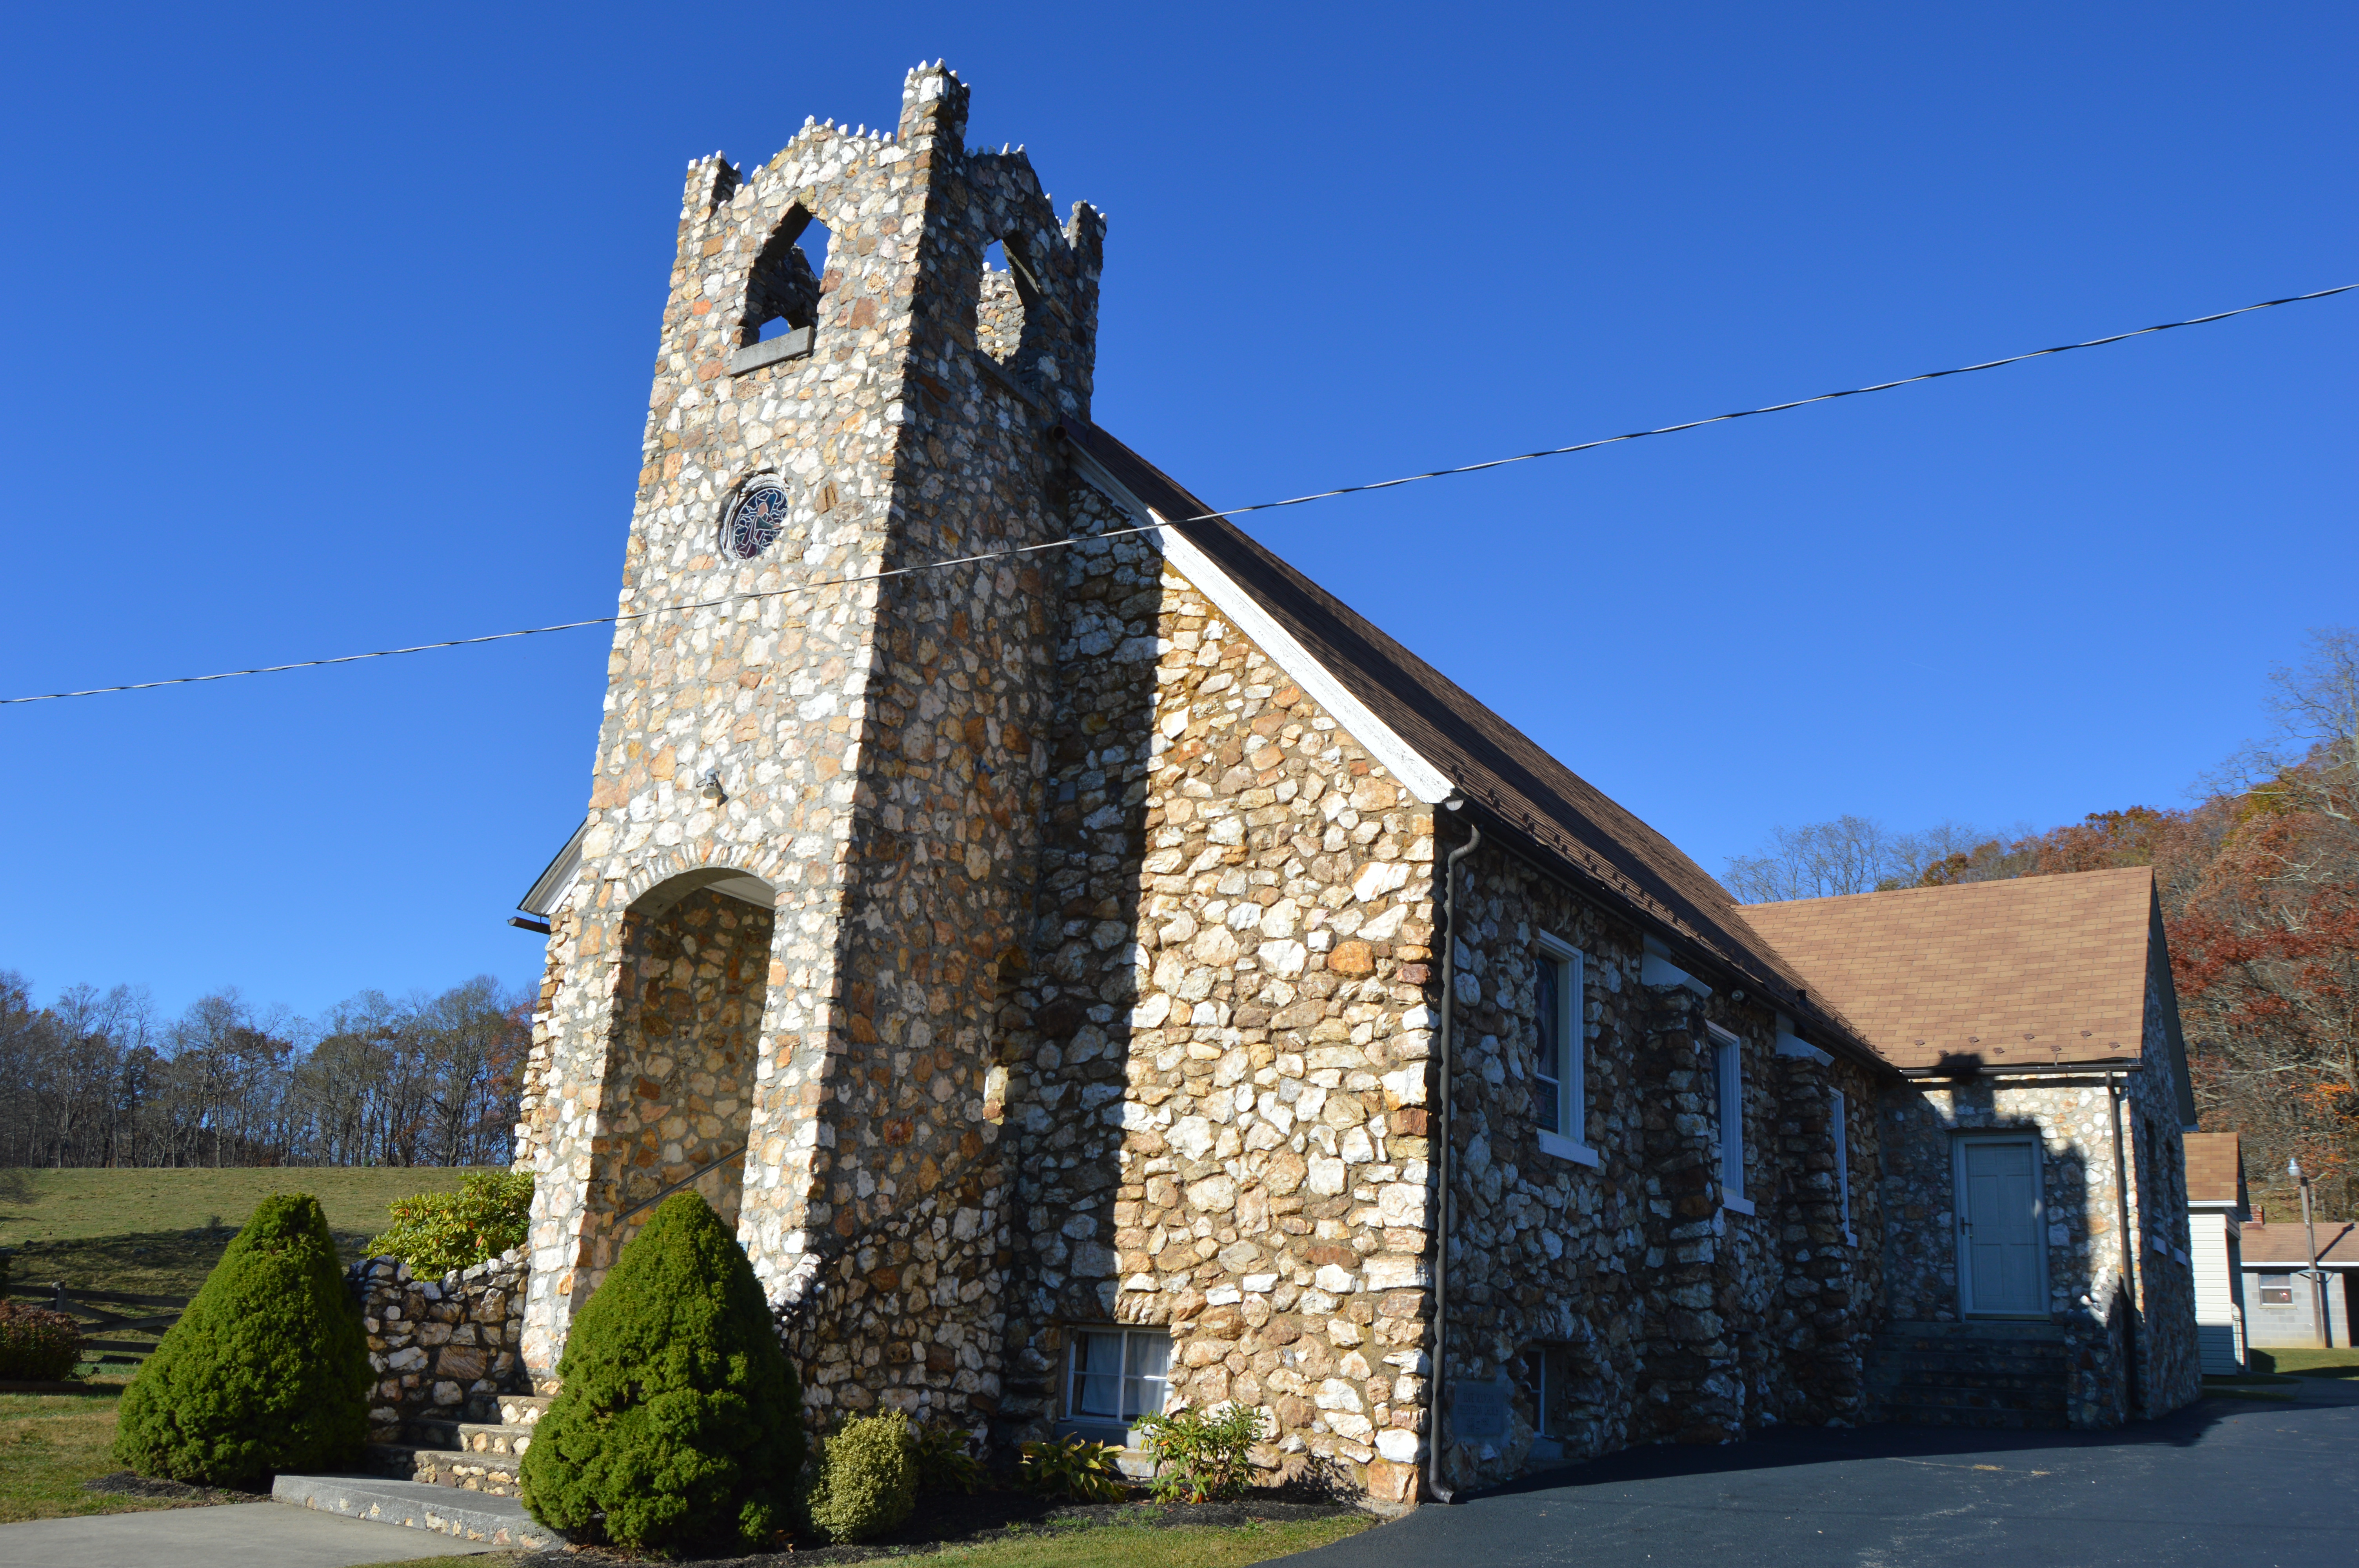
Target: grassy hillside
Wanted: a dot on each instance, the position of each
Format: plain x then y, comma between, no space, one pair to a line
160,1232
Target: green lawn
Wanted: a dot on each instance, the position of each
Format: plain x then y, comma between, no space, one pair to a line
1121,1546
51,1444
2343,1363
160,1232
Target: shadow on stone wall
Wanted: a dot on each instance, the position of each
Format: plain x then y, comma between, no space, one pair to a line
1067,1044
2084,1292
678,1097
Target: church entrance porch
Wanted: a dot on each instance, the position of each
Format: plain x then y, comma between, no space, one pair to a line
678,1096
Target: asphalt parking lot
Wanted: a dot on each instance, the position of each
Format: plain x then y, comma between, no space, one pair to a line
2256,1485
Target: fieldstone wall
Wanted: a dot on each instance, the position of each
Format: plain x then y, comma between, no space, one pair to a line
1216,1075
680,1077
1663,1314
444,1347
2071,1116
876,744
1832,1298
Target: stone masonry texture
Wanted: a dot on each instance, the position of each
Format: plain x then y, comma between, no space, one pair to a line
1022,945
441,1348
1661,1314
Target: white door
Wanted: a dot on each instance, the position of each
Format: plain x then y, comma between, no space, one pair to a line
2005,1265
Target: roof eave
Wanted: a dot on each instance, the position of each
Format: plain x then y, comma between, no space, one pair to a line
1769,990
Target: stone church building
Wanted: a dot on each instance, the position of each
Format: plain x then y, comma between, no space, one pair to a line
1106,971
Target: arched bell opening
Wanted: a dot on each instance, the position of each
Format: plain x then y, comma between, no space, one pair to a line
677,1101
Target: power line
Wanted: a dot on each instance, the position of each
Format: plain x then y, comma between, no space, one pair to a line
1203,517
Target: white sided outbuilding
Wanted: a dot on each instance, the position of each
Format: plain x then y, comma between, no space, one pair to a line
2216,1212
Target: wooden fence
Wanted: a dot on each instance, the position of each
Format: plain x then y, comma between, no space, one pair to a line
89,1308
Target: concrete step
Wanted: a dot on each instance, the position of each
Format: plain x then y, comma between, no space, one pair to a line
1984,1330
2046,1397
522,1410
1962,1415
471,1436
1968,1376
1905,1362
492,1474
463,1516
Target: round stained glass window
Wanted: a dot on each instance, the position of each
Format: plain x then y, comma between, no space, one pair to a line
759,518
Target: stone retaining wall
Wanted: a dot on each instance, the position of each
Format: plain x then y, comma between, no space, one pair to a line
440,1347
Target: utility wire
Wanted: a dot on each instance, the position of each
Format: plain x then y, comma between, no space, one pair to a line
1201,518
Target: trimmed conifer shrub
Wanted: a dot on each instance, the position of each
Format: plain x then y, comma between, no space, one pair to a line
679,1419
267,1370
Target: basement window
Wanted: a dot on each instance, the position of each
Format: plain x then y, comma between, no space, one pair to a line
1559,1071
1728,1102
1114,1376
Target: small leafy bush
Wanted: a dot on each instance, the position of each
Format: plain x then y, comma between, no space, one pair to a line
1201,1457
437,1232
266,1370
37,1345
866,1479
679,1419
943,1463
1072,1469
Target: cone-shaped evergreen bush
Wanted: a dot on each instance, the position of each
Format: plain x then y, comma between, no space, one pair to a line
680,1421
266,1371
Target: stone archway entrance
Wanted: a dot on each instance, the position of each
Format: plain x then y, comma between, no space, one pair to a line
677,1099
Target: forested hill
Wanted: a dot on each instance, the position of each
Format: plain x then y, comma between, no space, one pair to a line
97,1079
2259,885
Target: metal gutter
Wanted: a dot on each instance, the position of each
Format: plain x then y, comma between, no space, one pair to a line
1439,1488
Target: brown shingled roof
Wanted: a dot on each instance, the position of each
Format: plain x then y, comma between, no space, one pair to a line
2215,1167
2025,973
2287,1242
1515,784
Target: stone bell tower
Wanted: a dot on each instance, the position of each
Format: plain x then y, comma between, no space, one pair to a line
814,808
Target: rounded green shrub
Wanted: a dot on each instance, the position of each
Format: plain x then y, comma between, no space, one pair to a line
267,1370
437,1232
679,1419
866,1479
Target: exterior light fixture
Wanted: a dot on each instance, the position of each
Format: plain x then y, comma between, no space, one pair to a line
711,789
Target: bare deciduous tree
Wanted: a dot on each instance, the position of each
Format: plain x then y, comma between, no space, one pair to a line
93,1080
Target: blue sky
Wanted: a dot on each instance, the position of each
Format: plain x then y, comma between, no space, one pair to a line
332,331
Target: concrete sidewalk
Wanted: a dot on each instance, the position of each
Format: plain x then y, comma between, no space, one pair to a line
235,1535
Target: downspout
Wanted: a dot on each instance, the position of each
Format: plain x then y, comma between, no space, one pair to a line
2129,1251
1434,1485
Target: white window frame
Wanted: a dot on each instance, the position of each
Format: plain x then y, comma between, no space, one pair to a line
1118,1429
1571,1078
1841,1107
1728,1080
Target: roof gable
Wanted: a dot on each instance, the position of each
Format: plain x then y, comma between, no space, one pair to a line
2034,972
2215,1168
1515,786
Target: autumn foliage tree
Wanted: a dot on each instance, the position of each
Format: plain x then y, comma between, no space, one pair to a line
2259,884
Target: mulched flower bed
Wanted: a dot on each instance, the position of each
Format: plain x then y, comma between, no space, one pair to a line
124,1484
950,1519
